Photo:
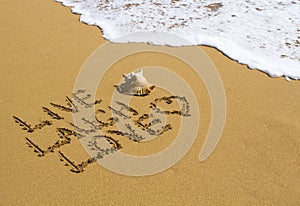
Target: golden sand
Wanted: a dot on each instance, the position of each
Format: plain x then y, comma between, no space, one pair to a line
43,46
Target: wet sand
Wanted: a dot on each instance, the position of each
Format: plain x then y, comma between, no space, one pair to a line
43,46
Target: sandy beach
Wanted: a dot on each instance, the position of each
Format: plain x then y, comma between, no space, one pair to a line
44,45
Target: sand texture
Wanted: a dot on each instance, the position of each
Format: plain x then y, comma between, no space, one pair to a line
43,46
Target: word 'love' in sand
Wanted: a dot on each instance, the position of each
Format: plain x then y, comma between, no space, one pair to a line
97,129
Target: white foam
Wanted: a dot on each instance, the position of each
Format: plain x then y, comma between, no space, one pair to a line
265,35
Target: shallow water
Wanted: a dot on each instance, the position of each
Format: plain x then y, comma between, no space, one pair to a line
265,35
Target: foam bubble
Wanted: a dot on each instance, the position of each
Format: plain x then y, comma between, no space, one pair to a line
265,35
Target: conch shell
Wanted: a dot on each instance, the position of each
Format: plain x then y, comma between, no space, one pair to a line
135,84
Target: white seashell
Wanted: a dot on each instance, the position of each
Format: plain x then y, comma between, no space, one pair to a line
135,84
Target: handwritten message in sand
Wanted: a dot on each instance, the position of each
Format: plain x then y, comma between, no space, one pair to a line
65,132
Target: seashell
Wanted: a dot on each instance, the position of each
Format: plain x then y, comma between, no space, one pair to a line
135,84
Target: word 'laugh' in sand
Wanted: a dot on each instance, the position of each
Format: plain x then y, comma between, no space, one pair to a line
66,131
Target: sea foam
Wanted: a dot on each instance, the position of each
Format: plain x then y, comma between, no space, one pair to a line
265,35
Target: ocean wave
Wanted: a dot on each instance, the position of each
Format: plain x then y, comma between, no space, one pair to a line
265,35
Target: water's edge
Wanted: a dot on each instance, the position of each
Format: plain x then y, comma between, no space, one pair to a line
274,68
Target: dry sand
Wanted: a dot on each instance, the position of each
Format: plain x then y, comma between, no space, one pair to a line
43,46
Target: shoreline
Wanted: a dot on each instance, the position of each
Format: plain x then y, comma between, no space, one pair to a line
258,58
255,163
